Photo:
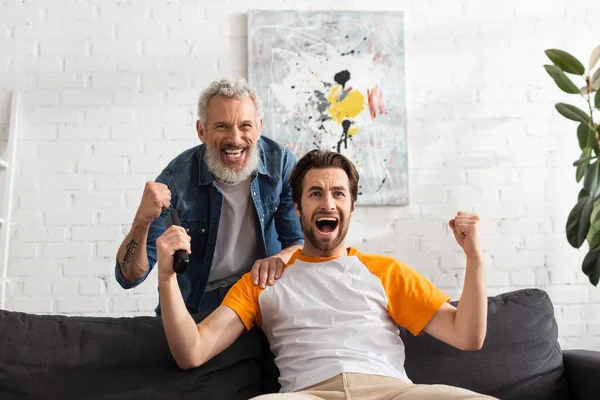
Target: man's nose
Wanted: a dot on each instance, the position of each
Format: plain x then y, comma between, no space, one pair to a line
328,203
235,135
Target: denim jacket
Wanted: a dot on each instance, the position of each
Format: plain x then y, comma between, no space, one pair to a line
198,202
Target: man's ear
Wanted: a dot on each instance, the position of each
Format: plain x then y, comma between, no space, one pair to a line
297,208
201,131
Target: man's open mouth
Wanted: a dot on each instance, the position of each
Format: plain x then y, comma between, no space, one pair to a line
234,153
326,224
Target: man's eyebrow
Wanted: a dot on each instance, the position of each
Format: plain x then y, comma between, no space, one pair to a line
336,188
339,188
219,123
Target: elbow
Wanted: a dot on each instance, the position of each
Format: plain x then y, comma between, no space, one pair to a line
188,359
188,363
475,343
183,365
474,346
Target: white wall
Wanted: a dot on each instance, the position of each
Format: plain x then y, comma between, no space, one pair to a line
111,90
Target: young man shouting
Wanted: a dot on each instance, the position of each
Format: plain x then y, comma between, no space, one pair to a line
331,320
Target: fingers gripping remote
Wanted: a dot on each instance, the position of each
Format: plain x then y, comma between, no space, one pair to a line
180,258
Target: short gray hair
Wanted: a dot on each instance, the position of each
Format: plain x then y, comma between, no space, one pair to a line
227,87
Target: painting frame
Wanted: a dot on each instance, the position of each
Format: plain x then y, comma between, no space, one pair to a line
335,80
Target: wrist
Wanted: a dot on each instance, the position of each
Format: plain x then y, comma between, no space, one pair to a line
476,258
139,222
286,253
167,279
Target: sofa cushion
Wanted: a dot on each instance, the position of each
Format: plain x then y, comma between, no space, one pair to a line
520,359
118,358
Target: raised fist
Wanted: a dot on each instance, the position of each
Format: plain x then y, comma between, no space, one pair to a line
465,227
156,197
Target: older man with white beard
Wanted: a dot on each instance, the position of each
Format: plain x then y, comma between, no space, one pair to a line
233,196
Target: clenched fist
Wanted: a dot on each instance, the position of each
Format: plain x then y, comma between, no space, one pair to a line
156,197
465,227
173,239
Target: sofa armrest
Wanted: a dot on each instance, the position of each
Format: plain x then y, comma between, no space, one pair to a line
583,369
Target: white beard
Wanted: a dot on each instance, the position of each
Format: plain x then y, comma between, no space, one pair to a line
227,174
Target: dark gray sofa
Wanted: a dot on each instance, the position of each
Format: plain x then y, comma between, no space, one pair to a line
59,357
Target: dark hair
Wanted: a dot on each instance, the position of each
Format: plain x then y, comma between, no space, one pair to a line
321,159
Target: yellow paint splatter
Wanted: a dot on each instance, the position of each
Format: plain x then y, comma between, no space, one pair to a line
348,108
353,131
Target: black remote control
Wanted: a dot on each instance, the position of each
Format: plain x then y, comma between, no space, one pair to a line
180,259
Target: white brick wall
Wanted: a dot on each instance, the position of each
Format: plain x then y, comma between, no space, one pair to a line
110,98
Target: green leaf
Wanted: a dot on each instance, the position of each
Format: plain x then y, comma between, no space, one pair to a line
594,57
571,112
584,161
582,194
583,134
578,223
562,80
565,61
595,81
595,216
580,172
591,265
590,183
597,100
593,236
591,138
594,220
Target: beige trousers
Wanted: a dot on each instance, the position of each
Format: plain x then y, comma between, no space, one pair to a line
353,386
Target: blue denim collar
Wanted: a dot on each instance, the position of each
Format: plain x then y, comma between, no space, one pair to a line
206,177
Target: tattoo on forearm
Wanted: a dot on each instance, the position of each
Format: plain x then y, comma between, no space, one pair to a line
128,255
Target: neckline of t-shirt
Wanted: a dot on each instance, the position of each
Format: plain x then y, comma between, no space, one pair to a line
232,187
299,256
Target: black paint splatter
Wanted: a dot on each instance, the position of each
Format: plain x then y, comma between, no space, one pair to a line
342,77
344,139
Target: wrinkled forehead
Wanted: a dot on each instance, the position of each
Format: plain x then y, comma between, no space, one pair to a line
326,178
221,107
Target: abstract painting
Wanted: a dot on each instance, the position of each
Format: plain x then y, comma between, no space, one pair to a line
335,80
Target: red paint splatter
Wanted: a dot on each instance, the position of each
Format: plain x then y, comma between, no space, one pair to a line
376,104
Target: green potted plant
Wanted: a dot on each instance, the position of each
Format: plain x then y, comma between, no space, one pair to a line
583,222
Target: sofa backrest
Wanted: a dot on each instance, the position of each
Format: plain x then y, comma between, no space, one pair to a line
61,357
119,358
520,359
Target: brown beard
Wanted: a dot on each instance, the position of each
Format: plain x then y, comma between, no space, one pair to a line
309,232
